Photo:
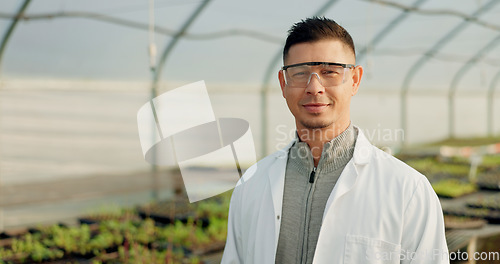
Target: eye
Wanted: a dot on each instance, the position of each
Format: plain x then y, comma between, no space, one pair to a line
299,74
330,73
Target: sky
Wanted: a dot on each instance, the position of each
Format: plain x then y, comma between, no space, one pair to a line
83,48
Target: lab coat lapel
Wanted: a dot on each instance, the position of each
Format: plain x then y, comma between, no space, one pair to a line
277,182
347,179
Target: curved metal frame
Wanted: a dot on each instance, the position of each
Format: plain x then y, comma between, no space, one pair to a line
387,29
425,57
265,87
142,26
489,102
267,78
3,46
170,46
458,76
442,12
156,71
11,28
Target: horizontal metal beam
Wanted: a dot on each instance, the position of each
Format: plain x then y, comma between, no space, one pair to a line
143,26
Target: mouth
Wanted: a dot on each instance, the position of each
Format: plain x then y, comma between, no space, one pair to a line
315,107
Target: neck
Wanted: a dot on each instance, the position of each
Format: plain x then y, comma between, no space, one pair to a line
317,137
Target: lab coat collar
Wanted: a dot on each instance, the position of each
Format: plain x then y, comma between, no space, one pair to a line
362,150
362,154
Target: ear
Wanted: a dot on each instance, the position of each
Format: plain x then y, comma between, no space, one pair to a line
357,73
281,78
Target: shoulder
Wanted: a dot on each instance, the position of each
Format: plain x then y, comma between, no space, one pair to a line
400,175
389,162
396,169
387,168
367,153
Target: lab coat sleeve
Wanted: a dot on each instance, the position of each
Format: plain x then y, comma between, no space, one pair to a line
233,249
423,237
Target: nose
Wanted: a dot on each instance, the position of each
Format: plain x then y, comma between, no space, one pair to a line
314,85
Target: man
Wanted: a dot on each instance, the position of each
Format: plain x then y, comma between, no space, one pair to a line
330,196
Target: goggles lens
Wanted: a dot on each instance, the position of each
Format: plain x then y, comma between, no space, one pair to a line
328,74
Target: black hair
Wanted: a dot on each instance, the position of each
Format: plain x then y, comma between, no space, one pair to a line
314,29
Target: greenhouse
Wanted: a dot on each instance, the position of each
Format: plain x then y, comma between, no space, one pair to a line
96,100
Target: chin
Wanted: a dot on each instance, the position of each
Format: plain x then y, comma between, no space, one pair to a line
315,124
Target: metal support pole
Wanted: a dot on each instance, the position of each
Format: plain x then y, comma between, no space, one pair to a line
263,103
472,249
451,115
155,193
156,76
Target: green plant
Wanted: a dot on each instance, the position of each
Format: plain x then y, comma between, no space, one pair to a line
217,229
453,188
137,253
71,240
30,247
431,166
112,210
208,209
130,241
491,202
490,161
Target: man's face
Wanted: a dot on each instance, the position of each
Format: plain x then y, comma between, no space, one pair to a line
315,106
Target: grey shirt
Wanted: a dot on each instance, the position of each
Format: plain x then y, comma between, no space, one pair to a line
305,195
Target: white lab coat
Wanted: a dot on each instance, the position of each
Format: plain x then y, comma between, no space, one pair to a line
380,211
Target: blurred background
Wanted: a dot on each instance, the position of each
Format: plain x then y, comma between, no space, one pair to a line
73,75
